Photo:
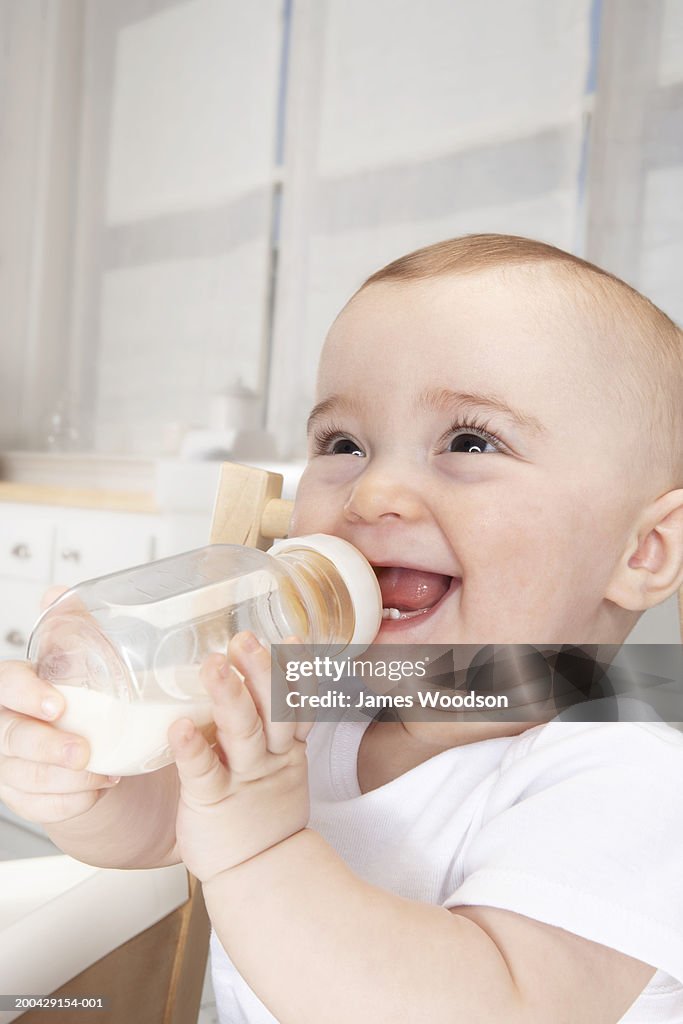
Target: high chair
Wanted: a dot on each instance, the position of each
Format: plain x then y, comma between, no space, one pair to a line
157,976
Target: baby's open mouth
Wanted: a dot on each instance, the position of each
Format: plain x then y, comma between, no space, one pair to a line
407,593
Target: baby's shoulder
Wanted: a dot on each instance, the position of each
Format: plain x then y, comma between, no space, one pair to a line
607,784
623,752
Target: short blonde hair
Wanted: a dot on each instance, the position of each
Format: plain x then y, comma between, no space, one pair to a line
646,342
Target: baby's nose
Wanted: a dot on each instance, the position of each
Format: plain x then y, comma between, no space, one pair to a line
382,494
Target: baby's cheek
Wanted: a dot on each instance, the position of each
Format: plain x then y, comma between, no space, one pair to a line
521,566
310,513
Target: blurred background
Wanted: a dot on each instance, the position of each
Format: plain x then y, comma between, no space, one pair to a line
191,189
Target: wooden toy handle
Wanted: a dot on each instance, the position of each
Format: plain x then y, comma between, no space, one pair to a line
275,519
248,508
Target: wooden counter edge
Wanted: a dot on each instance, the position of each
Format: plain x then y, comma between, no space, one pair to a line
78,497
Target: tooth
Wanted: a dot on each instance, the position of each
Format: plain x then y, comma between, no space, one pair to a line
391,613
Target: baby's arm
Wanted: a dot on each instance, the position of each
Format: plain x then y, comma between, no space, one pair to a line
316,942
131,826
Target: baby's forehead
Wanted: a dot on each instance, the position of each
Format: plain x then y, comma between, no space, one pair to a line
533,336
539,289
563,313
584,340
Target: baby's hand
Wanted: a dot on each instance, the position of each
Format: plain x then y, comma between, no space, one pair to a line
42,769
250,791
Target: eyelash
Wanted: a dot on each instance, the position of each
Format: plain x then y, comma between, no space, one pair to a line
324,436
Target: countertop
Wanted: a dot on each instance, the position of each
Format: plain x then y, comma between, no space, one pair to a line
78,497
79,480
121,483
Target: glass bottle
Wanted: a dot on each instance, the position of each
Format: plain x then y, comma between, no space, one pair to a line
125,649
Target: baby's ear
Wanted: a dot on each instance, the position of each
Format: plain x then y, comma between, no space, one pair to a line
651,568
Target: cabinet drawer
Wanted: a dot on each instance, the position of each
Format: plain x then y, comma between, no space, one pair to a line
94,547
26,548
19,609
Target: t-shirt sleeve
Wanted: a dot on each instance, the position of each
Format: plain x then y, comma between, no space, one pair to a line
583,829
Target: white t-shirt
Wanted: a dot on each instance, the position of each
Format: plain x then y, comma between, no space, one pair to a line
576,824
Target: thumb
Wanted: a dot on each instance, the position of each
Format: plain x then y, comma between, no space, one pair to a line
302,730
203,778
51,595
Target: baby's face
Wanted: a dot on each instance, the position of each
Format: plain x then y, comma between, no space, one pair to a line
468,441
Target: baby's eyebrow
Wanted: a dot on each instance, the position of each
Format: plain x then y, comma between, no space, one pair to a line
439,399
328,405
444,399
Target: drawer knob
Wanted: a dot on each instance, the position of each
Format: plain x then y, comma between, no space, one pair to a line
71,555
15,639
21,551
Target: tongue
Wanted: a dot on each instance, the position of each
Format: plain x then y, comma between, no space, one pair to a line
410,589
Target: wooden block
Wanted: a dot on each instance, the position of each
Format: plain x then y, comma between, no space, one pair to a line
242,495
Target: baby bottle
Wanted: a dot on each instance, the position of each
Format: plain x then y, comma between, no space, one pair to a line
125,650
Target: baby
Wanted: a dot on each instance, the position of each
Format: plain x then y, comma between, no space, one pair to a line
500,431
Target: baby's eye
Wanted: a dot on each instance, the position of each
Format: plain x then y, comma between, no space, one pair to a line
333,442
345,446
472,437
470,443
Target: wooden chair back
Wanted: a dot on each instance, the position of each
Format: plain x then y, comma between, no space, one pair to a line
156,977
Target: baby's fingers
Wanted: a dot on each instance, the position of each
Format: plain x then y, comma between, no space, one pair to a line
31,740
203,777
51,595
254,662
241,729
21,690
39,777
49,808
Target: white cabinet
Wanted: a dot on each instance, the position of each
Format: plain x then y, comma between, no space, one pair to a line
45,545
101,543
25,546
19,607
